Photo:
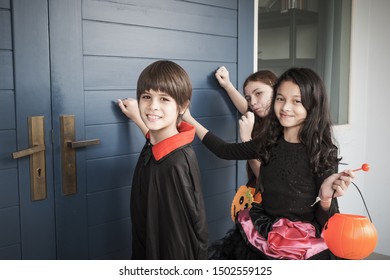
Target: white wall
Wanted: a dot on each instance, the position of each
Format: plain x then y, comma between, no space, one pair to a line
364,139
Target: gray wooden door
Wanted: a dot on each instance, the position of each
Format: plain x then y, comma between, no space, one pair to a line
61,58
25,92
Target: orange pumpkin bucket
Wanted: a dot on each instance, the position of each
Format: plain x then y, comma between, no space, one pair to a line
350,236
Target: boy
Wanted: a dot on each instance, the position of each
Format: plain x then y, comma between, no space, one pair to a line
167,207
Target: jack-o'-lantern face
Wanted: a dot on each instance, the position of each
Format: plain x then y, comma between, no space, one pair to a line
243,200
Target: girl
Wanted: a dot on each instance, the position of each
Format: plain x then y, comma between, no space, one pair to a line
298,180
167,208
257,98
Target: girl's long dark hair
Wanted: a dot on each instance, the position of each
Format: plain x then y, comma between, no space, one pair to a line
315,132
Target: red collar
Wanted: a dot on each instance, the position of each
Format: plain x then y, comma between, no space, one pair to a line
185,136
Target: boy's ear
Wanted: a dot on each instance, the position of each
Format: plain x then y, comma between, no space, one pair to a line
184,108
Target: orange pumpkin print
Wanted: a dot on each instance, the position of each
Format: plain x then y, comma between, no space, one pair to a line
243,199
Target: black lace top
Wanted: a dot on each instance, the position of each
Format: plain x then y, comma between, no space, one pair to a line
288,186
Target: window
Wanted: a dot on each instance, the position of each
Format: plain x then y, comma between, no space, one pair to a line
313,34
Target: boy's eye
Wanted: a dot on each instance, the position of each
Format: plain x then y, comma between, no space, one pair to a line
165,99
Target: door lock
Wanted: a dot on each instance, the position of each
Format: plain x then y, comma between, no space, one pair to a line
37,157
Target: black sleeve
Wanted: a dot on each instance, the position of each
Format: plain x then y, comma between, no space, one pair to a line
232,151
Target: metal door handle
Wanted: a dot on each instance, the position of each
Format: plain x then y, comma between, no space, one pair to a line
28,152
37,157
68,153
82,144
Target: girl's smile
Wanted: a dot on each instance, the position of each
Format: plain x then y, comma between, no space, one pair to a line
289,109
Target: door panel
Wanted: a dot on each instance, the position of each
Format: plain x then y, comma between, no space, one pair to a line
90,224
33,98
68,99
9,195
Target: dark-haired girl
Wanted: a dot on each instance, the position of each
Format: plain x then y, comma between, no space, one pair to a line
299,182
257,97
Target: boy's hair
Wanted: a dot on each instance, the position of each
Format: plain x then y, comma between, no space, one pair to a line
168,77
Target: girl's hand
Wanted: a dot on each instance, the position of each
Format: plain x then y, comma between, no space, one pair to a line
222,75
129,107
246,124
337,183
187,117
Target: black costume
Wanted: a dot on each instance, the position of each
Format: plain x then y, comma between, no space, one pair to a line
167,207
288,188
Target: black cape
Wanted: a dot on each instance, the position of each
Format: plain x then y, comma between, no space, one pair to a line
167,207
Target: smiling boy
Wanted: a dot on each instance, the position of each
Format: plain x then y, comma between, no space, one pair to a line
167,207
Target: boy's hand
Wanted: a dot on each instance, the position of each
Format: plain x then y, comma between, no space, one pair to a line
129,107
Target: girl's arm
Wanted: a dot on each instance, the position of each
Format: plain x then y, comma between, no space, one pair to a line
246,126
334,186
222,75
222,149
129,107
201,131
